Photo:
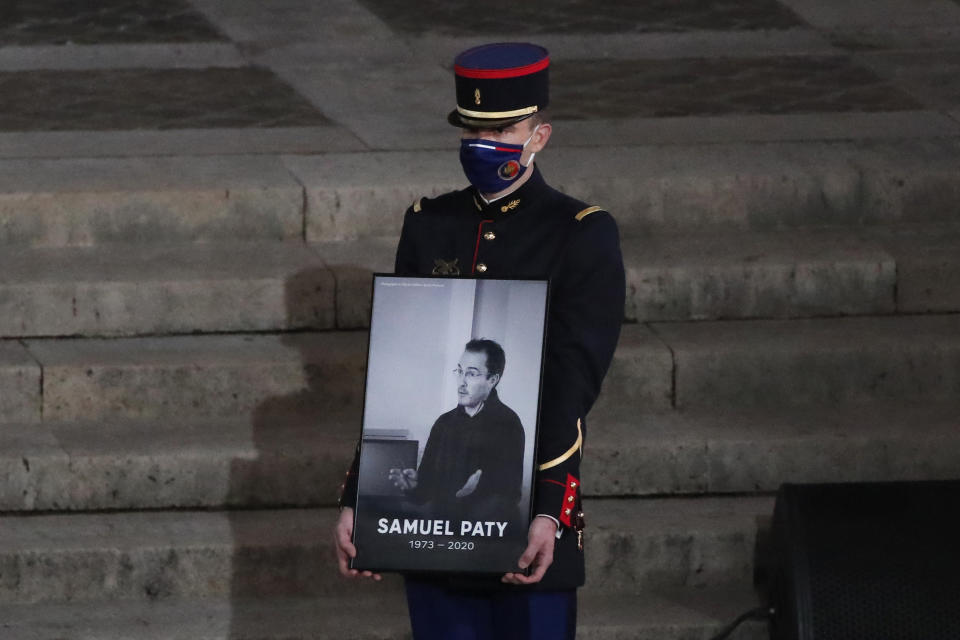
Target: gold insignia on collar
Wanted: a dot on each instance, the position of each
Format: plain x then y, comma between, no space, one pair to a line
443,267
513,204
476,96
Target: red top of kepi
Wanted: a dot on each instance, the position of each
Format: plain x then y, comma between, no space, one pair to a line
499,84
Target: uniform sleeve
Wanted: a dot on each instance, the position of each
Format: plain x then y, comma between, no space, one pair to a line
586,313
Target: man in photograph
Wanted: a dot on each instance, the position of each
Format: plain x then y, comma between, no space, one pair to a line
472,465
509,223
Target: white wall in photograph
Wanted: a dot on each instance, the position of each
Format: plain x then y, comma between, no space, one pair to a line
418,331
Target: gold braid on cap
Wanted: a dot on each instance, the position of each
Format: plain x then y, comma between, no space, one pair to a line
496,114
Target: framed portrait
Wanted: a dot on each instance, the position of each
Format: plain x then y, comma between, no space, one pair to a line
449,430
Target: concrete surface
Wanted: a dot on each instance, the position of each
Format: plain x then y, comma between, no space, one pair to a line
928,269
650,188
635,544
177,142
789,273
750,275
91,201
32,462
200,376
641,374
664,614
353,265
732,450
750,363
675,188
120,56
20,384
889,13
814,362
156,464
363,195
300,459
125,290
129,290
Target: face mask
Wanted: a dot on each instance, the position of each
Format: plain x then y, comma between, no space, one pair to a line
492,166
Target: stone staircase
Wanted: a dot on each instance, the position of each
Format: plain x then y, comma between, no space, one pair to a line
177,414
183,315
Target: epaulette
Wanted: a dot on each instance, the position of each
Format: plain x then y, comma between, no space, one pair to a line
583,214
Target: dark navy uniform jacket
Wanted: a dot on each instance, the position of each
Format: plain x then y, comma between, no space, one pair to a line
536,233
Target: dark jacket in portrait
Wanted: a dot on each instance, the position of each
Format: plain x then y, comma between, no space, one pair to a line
491,441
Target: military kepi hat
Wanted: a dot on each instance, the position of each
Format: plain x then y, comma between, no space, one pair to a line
498,84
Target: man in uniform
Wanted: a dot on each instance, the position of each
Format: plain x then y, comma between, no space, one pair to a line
510,224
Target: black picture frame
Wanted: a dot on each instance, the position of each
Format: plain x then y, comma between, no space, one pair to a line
469,436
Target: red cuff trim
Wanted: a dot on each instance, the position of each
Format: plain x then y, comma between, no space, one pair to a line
569,505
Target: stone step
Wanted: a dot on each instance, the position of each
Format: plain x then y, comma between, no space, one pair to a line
745,363
149,289
632,545
723,450
782,363
126,290
300,460
256,376
793,273
117,290
155,464
20,383
664,188
796,273
653,615
757,275
758,186
86,201
928,268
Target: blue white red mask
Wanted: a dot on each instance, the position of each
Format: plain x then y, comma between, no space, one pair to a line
492,166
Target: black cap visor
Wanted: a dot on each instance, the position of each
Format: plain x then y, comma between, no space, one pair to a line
459,120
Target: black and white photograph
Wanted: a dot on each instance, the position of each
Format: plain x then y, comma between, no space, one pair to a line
449,426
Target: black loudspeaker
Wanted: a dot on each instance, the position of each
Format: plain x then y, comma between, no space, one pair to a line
871,561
